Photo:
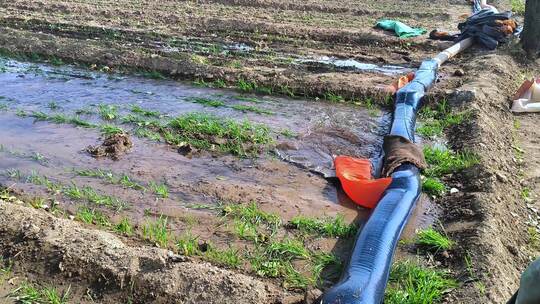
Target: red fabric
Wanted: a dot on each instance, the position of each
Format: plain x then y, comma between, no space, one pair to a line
400,83
357,182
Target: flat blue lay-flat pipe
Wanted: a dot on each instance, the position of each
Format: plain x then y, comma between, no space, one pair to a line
366,276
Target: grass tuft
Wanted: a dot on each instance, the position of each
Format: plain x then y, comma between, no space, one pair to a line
188,245
254,109
110,130
330,227
27,293
442,162
108,112
148,113
208,102
250,216
159,189
124,227
414,284
433,240
92,216
518,6
229,257
205,131
534,238
157,232
436,120
433,186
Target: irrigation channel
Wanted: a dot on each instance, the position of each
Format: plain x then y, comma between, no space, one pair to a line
50,115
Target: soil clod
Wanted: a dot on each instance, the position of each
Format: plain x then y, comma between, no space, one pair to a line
113,146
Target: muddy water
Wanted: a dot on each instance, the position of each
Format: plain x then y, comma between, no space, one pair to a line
354,65
283,182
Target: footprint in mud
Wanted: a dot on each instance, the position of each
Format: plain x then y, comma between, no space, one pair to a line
113,146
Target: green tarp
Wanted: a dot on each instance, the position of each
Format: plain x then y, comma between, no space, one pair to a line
401,29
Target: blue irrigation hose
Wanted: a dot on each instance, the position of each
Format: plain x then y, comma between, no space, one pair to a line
365,278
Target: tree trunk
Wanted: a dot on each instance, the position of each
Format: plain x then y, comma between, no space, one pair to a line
531,31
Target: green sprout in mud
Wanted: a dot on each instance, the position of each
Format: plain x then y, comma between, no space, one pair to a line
14,174
56,61
157,232
108,112
85,111
92,216
442,162
330,227
246,86
111,130
469,265
251,214
436,120
6,268
147,133
153,74
229,257
141,121
412,284
124,227
27,293
288,133
37,202
53,105
199,59
219,84
286,90
160,189
62,119
21,113
332,97
111,177
38,157
236,64
188,245
525,193
254,109
287,249
143,112
534,238
276,259
201,130
208,102
433,240
39,180
433,186
89,194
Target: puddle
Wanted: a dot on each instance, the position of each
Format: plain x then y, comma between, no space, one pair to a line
354,65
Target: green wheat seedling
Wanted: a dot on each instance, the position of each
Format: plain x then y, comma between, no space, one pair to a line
433,240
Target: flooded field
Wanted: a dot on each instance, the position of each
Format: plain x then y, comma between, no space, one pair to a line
280,163
181,151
